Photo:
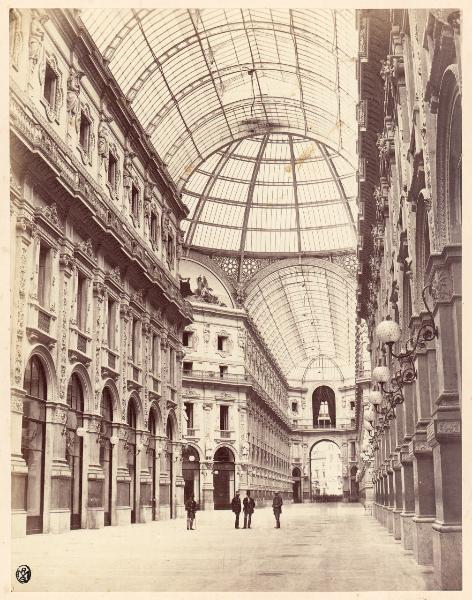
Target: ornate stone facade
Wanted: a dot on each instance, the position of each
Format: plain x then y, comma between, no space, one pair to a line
410,265
92,295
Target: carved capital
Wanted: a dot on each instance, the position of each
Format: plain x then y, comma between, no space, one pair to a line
441,286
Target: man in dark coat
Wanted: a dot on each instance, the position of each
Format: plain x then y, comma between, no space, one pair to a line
248,507
236,508
277,508
191,508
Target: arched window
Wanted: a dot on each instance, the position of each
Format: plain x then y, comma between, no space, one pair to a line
455,171
131,415
449,158
35,379
152,422
324,407
75,396
106,405
169,432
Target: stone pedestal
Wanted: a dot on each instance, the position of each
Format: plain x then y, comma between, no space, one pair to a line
397,529
145,514
18,523
447,556
425,510
95,518
19,468
406,528
422,535
59,520
390,519
444,438
123,515
408,501
164,493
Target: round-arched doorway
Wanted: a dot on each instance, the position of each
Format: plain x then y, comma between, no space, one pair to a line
169,466
191,473
326,481
106,454
74,447
151,460
223,478
131,419
297,485
33,442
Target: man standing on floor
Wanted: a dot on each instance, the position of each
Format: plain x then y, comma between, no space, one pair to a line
248,507
191,508
277,508
236,508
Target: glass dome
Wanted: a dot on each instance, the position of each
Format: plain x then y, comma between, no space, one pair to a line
272,193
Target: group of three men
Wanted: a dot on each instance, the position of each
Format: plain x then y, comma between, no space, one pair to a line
248,509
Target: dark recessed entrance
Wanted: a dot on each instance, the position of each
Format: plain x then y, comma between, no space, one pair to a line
223,478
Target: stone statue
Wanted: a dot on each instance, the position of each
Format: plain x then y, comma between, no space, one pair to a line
36,37
165,224
73,96
103,141
180,243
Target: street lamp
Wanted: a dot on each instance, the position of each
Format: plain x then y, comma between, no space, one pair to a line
388,332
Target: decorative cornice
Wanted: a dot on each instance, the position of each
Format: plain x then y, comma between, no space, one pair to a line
40,137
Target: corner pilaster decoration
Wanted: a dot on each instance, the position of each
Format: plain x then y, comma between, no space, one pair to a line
73,104
36,38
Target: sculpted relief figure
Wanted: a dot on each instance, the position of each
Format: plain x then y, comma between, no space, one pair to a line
36,37
104,141
73,97
205,293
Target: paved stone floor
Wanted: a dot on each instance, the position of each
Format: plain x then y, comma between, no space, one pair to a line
320,547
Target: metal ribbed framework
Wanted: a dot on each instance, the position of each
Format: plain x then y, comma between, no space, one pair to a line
198,79
254,113
305,313
272,193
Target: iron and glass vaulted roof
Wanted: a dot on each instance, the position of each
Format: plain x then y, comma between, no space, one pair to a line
200,79
272,193
306,314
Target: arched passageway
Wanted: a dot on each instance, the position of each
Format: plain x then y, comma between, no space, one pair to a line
74,447
297,491
191,473
223,478
326,482
131,420
106,453
33,442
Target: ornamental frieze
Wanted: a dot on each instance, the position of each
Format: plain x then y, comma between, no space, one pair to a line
441,286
